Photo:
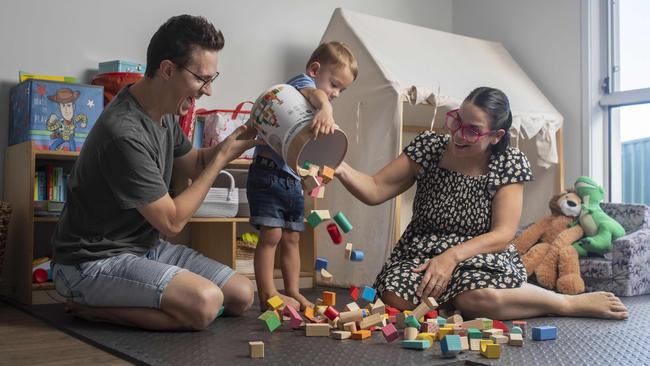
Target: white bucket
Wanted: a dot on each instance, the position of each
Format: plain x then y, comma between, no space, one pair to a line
282,116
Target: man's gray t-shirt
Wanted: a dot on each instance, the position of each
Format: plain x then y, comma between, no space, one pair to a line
125,162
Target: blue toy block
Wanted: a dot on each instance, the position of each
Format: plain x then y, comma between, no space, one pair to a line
368,294
451,346
416,344
544,333
441,321
356,256
321,263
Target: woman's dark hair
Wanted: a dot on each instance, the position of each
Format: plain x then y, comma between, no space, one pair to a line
176,39
496,105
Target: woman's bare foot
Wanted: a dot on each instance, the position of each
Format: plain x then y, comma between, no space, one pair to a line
596,305
289,301
304,303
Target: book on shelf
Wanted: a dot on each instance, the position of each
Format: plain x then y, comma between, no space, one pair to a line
48,208
50,183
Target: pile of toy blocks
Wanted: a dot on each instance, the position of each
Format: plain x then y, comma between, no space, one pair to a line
419,328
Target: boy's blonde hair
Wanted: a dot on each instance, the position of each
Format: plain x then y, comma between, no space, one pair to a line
337,54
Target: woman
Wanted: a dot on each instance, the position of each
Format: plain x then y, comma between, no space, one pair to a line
467,207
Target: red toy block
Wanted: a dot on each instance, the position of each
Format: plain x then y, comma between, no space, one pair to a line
354,292
391,311
390,333
433,314
498,324
331,313
335,234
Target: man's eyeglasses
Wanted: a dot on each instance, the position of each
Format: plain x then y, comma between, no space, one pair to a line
469,133
201,79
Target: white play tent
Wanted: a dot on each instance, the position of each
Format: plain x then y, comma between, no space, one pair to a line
407,75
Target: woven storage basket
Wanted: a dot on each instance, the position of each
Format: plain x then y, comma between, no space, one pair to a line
5,214
244,250
220,202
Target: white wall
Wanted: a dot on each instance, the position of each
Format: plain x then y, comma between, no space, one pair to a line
266,42
544,38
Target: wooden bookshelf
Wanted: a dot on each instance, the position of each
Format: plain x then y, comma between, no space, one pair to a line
207,235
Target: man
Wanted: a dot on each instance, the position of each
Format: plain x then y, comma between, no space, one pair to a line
109,259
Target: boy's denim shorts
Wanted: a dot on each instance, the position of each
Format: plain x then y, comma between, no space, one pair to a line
128,280
275,197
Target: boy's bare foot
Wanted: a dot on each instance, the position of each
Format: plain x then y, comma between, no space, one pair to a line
304,303
596,305
289,301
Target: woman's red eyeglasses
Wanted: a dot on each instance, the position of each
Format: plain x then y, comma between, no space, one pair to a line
469,133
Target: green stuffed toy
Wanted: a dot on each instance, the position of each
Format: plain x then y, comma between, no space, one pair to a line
600,229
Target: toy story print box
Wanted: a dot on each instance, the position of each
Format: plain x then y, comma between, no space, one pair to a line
56,116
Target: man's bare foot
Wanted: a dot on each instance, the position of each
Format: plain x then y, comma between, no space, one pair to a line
304,303
289,301
596,305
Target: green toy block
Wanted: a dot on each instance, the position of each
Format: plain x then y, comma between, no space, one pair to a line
474,333
314,219
343,222
416,344
306,164
220,311
270,318
410,321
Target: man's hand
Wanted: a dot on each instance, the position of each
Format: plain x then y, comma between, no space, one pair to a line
323,122
237,143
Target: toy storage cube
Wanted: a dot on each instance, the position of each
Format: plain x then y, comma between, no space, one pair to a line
56,116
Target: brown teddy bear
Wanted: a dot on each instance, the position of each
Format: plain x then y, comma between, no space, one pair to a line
545,247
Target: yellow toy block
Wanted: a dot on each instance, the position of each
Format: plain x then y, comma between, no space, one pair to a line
275,302
444,331
361,334
490,349
431,337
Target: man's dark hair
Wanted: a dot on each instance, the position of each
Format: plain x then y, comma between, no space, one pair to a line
176,39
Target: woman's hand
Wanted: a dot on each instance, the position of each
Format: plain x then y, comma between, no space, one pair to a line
437,273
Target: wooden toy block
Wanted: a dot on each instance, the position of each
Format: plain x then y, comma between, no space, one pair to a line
391,310
314,219
343,222
421,310
275,302
327,174
475,344
464,342
320,309
516,330
487,333
489,349
455,319
323,214
516,339
270,319
368,294
320,192
458,329
431,337
354,292
313,170
500,339
331,313
302,172
399,320
411,321
309,183
256,349
445,331
336,236
441,321
487,323
390,333
431,302
361,334
341,334
321,263
352,307
356,256
428,327
348,250
451,346
351,316
369,321
474,323
350,326
329,298
325,276
544,333
317,330
498,324
309,314
314,193
294,316
474,333
410,333
306,164
433,314
521,324
378,307
415,344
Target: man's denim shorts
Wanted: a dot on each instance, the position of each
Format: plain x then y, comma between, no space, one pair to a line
275,197
128,280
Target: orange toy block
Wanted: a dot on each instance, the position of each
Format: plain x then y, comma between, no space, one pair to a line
329,298
361,334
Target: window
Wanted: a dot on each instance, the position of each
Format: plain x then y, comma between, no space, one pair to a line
627,100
